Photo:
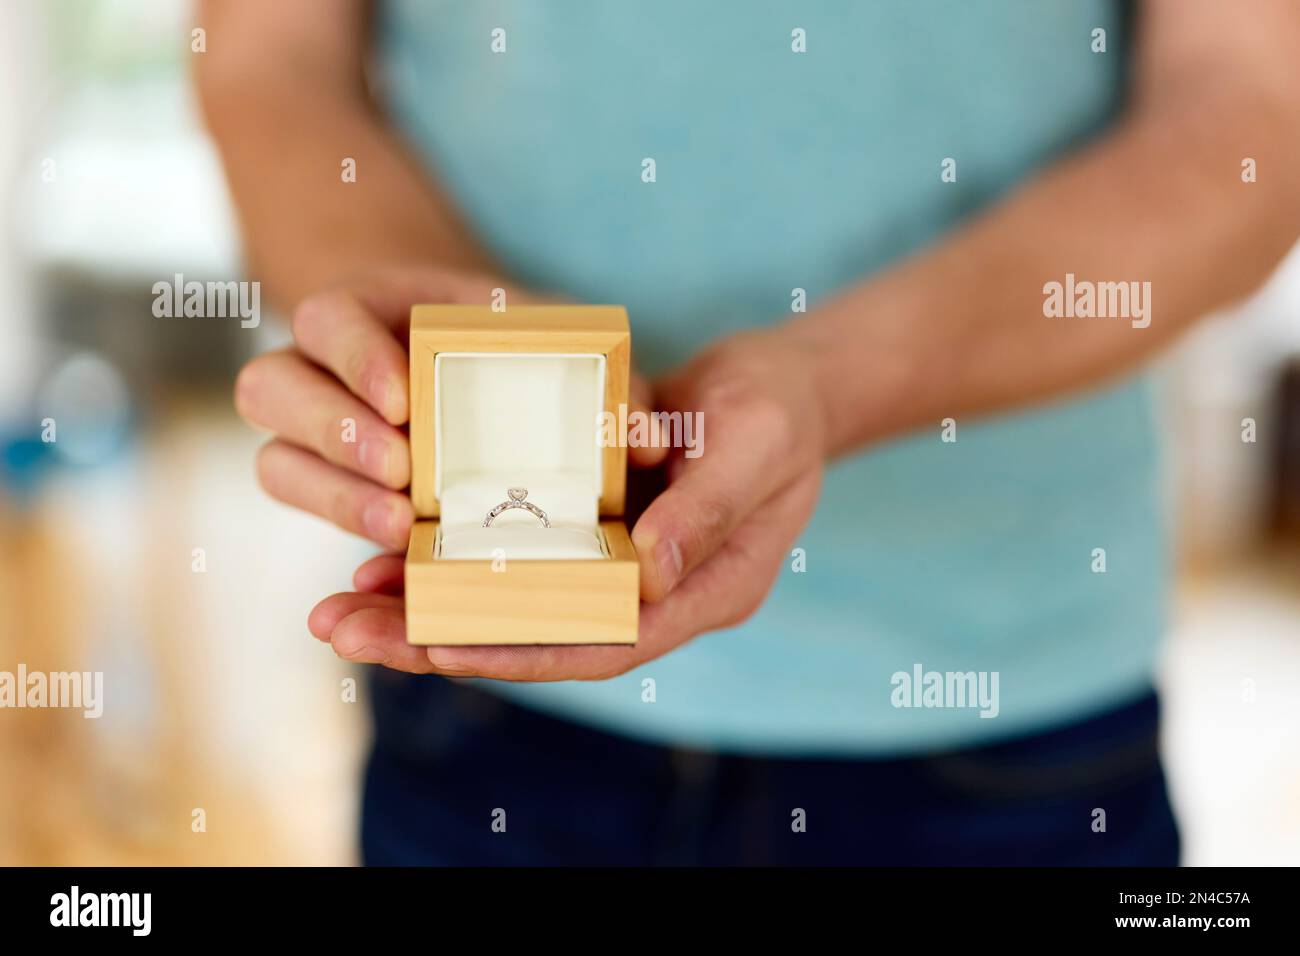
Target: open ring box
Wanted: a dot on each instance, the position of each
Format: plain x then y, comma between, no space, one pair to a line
518,398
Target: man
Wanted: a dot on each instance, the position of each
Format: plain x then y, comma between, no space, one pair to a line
956,451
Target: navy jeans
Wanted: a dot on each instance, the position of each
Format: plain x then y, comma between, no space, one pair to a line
450,761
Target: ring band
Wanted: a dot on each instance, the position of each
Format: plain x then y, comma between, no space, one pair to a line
516,498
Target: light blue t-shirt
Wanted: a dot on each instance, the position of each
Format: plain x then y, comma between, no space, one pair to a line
778,170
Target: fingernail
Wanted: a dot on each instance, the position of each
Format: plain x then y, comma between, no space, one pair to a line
396,400
668,559
378,520
374,456
379,390
364,655
446,663
387,397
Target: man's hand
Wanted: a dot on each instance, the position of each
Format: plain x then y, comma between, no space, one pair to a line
336,401
710,545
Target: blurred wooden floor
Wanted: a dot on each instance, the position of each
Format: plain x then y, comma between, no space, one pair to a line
216,697
1231,739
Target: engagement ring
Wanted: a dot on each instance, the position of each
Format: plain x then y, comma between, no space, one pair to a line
516,498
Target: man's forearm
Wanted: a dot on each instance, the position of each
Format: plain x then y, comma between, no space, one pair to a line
961,329
286,114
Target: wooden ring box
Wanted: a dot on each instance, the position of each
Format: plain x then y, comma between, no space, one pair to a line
515,398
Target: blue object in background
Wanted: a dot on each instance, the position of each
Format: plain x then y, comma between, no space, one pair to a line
24,461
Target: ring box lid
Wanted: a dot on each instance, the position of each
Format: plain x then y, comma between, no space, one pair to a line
510,397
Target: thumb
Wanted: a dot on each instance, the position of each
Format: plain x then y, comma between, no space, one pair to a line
651,452
707,498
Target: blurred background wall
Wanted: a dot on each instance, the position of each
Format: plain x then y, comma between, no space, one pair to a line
138,544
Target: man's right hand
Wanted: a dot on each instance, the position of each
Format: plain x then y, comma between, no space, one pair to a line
337,399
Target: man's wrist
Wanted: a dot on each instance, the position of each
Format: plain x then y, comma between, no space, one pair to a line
859,356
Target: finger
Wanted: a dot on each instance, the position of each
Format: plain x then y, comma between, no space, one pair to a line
705,502
286,394
659,632
367,629
335,330
732,584
358,330
377,635
532,663
651,452
303,480
327,614
382,574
